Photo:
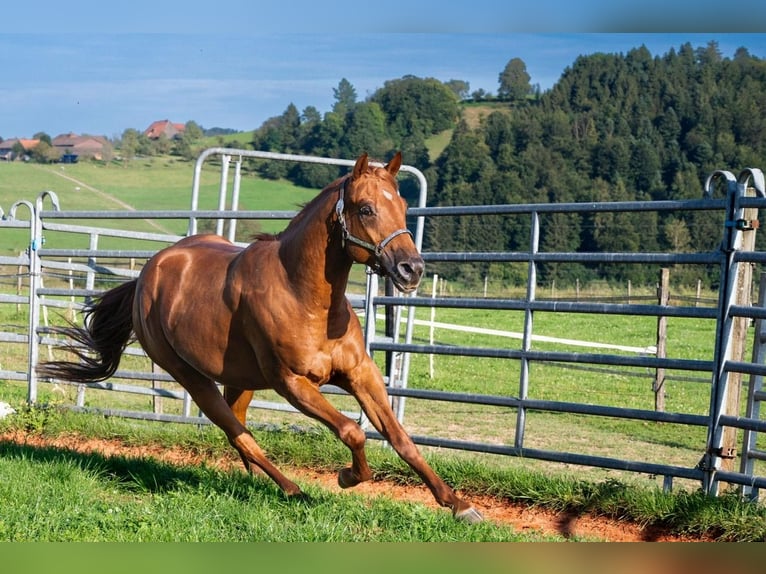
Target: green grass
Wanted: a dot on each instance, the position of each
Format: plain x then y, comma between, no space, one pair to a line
147,184
87,497
94,497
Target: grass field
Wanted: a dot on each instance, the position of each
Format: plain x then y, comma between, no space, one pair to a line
147,184
165,184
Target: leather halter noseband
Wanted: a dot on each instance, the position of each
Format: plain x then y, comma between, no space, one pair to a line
376,250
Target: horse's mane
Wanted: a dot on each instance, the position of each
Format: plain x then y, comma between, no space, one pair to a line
304,209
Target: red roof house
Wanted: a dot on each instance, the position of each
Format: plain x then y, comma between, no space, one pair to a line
166,128
6,147
84,146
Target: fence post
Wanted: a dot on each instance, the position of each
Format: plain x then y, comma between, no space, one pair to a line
35,271
736,286
754,389
663,296
744,288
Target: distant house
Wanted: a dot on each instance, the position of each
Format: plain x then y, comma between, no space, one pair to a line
7,152
166,128
84,147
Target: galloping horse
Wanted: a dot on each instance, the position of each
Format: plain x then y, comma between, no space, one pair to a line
271,315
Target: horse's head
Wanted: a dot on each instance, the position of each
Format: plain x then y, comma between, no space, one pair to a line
371,214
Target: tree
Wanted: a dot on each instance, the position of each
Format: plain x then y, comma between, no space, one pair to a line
459,87
366,131
129,145
310,116
514,81
191,135
345,97
192,131
43,137
413,104
44,152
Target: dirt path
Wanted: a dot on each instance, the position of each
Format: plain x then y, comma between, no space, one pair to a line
520,517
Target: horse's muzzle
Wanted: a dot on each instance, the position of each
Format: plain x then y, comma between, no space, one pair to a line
407,273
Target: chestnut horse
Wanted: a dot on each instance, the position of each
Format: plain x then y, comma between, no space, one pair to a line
271,315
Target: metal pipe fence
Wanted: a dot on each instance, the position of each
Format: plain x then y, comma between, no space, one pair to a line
83,273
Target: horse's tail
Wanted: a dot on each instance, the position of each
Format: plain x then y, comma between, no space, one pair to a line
101,342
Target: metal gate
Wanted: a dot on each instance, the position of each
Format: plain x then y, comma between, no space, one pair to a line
723,192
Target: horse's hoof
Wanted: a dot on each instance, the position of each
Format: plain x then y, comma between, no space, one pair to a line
299,496
295,493
469,515
346,478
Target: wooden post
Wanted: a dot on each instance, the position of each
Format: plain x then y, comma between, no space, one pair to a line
699,293
663,297
744,298
431,327
156,400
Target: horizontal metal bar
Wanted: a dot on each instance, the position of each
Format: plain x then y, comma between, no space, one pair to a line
750,256
168,214
704,258
555,456
110,253
756,454
743,367
22,260
111,232
136,390
549,356
743,423
555,406
15,224
584,207
552,306
739,478
6,337
753,312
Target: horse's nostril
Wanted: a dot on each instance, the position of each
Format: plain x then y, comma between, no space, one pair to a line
411,269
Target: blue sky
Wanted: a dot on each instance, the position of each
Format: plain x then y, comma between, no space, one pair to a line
86,72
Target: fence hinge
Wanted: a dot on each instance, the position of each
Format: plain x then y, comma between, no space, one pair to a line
744,224
706,462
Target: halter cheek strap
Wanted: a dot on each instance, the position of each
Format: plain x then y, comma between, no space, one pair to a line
377,250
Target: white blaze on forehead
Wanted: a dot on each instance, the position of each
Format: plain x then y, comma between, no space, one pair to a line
388,195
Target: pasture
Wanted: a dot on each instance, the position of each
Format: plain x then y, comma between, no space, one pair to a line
146,184
153,188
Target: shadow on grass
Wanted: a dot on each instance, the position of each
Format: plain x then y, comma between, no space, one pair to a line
150,475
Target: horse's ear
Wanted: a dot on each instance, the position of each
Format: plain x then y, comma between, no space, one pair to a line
360,166
396,162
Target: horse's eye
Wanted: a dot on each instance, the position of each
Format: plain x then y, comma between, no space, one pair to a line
366,211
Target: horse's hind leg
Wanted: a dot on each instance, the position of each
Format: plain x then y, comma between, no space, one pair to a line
239,401
307,398
209,399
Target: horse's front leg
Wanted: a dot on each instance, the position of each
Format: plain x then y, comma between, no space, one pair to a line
367,386
306,397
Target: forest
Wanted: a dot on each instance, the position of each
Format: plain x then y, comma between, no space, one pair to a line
614,127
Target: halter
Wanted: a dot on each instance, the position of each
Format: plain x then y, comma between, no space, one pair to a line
376,250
